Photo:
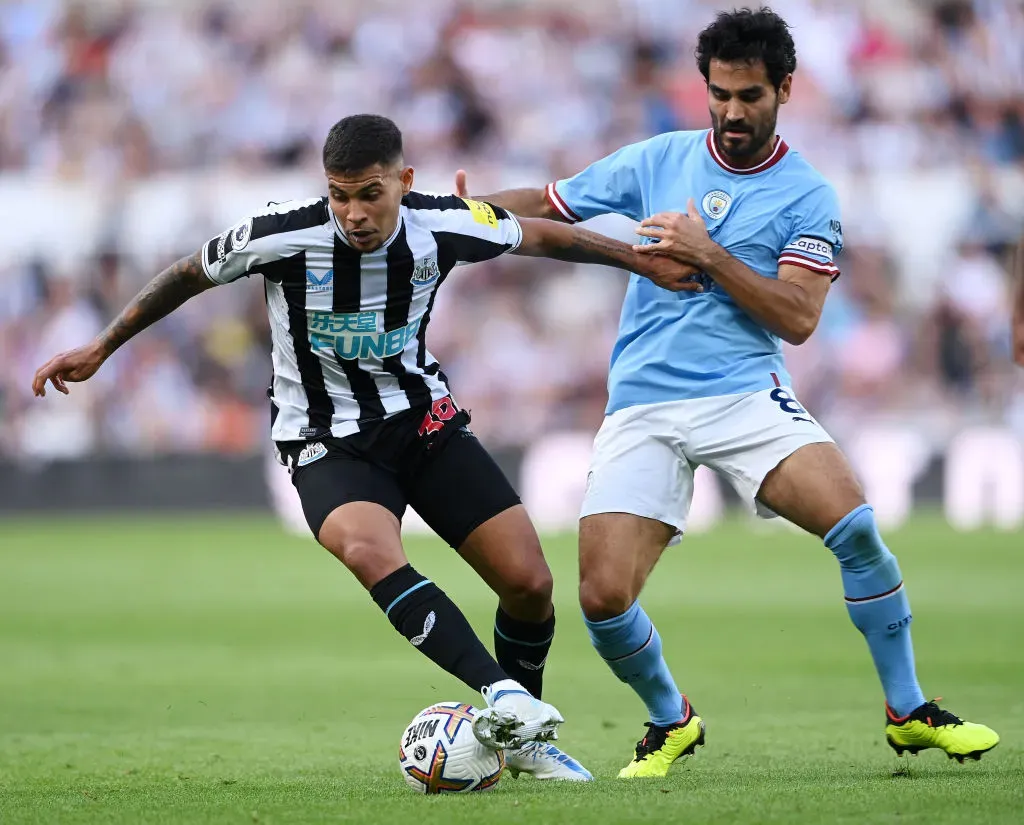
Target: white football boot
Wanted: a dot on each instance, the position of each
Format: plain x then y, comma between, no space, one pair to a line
513,717
544,761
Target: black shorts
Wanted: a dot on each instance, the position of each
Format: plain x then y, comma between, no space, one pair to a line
425,458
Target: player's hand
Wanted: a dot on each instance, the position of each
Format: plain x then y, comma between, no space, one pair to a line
682,237
461,188
74,365
668,273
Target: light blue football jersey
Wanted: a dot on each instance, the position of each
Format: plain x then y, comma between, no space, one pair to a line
679,345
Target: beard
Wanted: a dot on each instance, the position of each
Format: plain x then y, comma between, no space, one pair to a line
755,137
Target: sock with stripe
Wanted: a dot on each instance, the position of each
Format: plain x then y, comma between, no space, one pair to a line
521,648
422,613
877,603
631,646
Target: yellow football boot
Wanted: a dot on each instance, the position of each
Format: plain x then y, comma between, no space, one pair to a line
662,746
932,727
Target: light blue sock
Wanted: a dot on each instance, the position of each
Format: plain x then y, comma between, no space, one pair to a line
877,603
632,648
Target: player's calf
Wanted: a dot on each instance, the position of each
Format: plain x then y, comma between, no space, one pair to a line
506,552
366,538
617,551
816,489
521,648
877,603
435,626
631,647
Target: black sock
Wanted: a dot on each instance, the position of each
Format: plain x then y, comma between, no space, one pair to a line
522,648
422,613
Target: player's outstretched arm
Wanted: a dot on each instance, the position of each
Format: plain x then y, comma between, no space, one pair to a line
789,306
526,203
161,296
1018,307
548,239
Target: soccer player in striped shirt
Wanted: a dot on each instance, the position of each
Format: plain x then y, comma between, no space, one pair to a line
362,413
699,378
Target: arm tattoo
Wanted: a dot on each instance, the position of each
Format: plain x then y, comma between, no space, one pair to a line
585,247
161,296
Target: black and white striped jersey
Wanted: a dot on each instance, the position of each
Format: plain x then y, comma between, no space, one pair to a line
349,329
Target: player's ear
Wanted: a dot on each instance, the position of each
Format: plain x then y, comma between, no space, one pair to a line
785,89
406,177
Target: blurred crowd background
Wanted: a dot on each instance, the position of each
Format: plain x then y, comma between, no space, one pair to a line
131,132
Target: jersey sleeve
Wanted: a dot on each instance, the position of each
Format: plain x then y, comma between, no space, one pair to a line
258,239
816,234
608,186
469,231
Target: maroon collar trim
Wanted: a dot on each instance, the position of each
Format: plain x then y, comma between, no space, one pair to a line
781,147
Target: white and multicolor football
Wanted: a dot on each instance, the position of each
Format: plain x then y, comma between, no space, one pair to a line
439,753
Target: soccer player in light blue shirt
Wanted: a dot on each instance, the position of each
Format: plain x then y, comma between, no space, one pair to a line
699,378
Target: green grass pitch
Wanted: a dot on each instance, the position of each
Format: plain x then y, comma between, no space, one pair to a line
214,670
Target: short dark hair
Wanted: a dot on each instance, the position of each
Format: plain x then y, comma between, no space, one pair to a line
358,142
748,36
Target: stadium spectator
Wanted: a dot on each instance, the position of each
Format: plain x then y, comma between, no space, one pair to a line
190,99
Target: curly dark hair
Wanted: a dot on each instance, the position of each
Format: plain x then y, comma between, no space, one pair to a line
749,36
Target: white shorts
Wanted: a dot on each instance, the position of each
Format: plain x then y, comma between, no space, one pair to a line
644,456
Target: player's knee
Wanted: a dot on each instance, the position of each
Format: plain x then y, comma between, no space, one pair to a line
369,559
363,556
527,594
365,539
538,585
602,599
855,539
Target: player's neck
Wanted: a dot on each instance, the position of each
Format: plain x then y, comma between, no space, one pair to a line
754,160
